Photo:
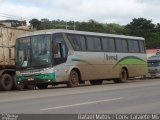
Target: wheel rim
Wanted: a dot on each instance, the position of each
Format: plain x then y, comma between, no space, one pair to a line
7,81
74,77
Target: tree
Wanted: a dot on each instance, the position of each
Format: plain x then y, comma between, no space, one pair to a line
140,27
143,28
154,40
114,28
158,26
45,24
34,23
91,25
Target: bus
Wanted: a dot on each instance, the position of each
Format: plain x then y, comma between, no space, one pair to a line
52,57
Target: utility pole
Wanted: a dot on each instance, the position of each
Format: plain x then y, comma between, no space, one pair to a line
66,25
74,26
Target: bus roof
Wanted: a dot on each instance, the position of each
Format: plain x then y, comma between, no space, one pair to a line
51,31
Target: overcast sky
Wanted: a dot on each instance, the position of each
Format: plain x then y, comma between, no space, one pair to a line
108,11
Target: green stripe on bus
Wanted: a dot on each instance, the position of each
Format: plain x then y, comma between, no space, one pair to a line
79,60
131,60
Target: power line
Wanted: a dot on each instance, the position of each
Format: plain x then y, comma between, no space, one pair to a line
9,15
12,16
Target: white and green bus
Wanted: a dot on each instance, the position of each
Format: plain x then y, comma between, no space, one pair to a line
52,57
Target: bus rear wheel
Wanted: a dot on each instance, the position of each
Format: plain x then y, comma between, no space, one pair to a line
96,82
73,79
6,82
123,77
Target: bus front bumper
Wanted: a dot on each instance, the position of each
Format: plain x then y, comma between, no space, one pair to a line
36,79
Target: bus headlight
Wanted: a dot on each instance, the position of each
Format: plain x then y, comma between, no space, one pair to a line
46,71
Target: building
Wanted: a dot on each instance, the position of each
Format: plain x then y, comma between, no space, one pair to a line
12,23
151,52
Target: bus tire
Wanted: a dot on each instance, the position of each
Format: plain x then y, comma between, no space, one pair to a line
73,79
96,82
42,86
6,82
123,77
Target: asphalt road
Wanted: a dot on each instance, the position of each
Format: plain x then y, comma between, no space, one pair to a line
138,96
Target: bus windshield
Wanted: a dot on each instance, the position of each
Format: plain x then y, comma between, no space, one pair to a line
33,51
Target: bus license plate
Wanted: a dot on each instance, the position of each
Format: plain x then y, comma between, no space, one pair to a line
30,79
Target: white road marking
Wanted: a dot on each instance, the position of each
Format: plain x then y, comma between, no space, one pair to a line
79,104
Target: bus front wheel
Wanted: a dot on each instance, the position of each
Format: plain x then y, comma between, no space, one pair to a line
73,79
123,77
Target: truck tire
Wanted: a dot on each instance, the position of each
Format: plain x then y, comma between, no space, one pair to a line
73,79
123,77
6,82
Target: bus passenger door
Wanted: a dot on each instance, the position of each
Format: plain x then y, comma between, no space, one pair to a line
59,48
60,52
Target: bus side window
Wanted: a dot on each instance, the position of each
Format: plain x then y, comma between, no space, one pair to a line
77,42
133,46
121,45
108,44
93,43
141,45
